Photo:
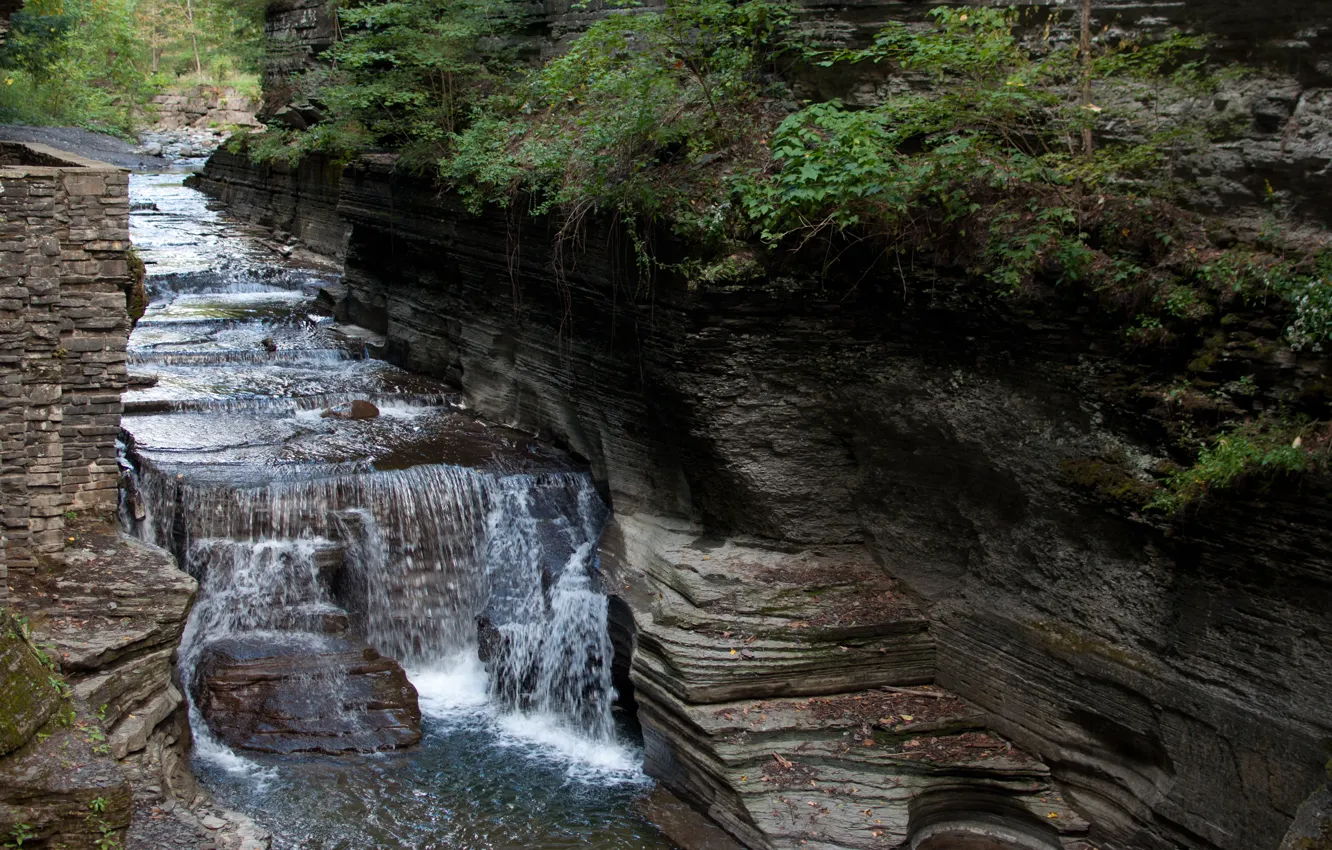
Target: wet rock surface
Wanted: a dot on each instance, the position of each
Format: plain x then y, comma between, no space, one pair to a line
64,787
286,694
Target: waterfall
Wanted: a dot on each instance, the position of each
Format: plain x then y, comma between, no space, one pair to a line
411,560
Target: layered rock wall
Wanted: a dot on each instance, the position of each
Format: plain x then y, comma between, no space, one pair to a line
202,107
62,357
296,34
298,201
1173,679
1095,675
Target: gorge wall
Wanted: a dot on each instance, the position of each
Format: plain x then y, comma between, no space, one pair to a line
1171,676
823,488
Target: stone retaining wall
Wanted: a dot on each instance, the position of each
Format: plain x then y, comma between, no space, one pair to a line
64,234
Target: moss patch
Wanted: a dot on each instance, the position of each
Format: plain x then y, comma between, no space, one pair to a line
27,695
1109,480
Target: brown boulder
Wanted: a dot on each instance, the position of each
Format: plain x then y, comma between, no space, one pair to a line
303,692
358,409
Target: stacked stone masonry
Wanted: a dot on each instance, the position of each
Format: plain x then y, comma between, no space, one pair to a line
64,234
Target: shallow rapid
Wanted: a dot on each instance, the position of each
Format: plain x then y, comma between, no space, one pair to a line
312,526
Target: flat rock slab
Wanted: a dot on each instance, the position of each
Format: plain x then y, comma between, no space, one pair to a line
300,692
105,598
721,621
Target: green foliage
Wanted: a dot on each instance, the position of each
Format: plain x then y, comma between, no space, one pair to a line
640,105
1251,451
409,71
406,75
981,167
1310,297
96,63
20,834
73,61
107,838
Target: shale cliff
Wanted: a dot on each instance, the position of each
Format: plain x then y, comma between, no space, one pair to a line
885,586
819,491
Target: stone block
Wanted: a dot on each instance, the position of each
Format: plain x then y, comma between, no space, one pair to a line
85,184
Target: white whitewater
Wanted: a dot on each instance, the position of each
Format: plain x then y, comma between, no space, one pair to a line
419,555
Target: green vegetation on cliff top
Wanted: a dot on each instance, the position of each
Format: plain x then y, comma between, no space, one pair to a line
975,160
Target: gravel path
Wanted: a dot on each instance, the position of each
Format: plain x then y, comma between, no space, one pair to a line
108,149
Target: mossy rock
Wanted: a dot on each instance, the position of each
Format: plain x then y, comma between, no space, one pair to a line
27,696
1312,827
1108,480
64,788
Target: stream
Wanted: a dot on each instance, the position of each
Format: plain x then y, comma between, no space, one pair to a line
248,460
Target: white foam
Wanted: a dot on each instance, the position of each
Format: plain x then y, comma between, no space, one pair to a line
211,751
550,738
449,688
456,691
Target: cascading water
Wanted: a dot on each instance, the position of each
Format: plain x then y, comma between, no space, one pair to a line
419,531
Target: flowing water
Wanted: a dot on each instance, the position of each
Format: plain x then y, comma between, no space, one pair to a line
428,534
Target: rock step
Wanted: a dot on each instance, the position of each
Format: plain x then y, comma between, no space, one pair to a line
303,693
850,770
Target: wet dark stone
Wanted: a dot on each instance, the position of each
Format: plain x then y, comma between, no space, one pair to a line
305,693
358,409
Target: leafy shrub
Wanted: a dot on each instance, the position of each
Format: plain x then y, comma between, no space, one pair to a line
1250,451
641,91
73,62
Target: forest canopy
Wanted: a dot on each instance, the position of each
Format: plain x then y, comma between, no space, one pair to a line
96,63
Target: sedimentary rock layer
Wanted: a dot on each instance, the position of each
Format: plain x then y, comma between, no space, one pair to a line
295,693
933,431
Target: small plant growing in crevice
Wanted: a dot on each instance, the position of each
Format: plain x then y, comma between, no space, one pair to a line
1260,450
20,834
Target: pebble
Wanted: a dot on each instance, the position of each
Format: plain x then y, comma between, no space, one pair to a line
212,822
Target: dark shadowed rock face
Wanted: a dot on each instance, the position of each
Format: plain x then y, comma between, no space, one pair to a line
1154,670
294,692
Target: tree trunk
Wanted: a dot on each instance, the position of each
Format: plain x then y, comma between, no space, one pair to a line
1084,53
194,39
153,49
